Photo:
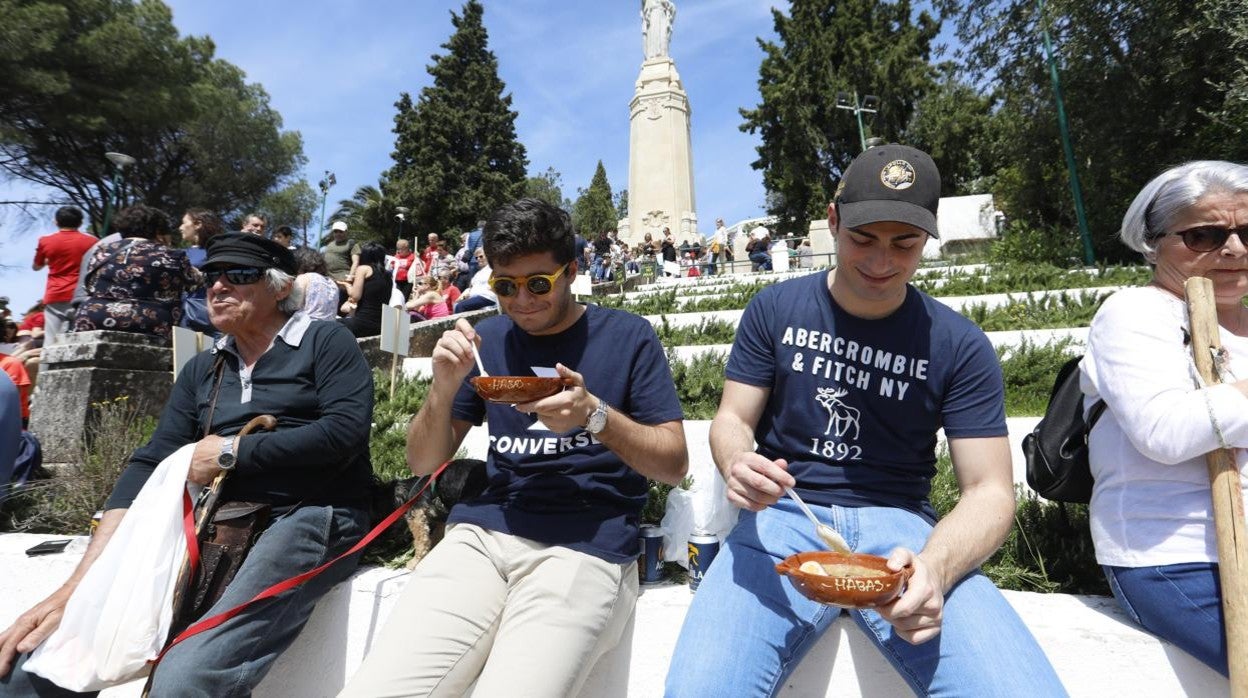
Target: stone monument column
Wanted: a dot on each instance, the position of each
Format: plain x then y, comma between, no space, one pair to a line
660,158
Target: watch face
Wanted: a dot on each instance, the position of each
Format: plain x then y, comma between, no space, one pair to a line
225,461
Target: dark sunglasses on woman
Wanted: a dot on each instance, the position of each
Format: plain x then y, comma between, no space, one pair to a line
1207,238
239,276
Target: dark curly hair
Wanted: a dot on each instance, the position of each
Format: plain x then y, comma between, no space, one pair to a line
529,226
141,221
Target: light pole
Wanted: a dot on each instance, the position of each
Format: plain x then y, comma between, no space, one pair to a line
1075,190
328,181
870,105
402,216
120,162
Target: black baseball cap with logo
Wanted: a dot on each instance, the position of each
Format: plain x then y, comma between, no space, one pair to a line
890,183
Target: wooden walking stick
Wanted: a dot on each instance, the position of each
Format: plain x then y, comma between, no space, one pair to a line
1228,501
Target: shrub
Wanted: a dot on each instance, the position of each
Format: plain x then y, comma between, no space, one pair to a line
699,383
1029,373
388,440
708,331
1066,309
1022,243
1048,549
65,503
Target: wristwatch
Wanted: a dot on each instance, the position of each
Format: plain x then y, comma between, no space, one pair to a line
597,419
226,459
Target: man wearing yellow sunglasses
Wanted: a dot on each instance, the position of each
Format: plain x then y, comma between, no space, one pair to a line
537,577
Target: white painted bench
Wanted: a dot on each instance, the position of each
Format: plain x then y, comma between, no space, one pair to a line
1097,651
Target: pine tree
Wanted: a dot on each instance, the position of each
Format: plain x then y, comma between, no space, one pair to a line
825,47
456,156
594,210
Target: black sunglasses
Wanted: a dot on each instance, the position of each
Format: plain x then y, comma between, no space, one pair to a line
1207,238
239,276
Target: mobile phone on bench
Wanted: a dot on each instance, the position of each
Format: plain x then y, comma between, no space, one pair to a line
49,546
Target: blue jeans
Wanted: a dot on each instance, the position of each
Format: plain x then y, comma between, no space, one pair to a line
473,303
748,628
1181,604
761,260
231,659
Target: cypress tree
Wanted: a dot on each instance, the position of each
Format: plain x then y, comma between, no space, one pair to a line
456,156
825,47
594,210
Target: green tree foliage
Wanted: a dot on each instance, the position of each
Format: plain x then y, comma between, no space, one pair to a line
952,122
370,215
822,47
294,205
594,210
79,78
1147,84
621,204
456,156
548,186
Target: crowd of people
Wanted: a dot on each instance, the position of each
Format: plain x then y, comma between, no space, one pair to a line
537,575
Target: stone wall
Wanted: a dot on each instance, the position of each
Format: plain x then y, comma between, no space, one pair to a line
80,370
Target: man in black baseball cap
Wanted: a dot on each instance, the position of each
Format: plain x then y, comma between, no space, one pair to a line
842,379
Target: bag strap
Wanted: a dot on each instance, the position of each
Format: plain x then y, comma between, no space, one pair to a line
218,367
297,580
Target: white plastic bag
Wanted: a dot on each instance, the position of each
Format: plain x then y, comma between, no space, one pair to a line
119,616
703,508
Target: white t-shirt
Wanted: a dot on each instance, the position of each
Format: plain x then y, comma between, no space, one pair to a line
479,287
1151,503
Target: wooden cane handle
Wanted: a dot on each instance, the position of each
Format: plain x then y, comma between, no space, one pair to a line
265,421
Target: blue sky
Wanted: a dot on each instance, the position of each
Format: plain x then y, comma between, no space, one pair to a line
334,70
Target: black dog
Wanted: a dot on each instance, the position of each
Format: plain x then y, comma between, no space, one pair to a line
462,480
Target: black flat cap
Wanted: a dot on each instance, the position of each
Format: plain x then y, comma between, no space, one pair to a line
247,250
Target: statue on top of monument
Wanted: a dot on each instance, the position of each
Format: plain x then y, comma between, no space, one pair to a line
657,18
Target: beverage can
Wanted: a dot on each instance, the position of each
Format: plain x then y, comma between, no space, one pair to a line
702,550
650,564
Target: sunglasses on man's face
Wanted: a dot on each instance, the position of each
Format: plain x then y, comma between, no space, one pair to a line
238,276
1207,238
537,284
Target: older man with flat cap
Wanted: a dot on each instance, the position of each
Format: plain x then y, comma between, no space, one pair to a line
312,471
836,386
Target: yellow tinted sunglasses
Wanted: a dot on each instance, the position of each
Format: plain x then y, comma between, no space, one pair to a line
537,284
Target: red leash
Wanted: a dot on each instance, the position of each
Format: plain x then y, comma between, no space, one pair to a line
192,546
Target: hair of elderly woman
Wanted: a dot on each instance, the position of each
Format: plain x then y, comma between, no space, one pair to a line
1172,192
310,261
139,221
276,280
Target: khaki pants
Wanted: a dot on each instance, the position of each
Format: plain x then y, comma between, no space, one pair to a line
519,617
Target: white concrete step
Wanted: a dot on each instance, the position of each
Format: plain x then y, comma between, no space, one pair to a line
1095,648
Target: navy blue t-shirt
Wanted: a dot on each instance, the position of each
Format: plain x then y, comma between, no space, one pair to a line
568,489
855,404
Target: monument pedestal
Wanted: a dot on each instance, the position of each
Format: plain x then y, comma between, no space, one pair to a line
82,369
660,162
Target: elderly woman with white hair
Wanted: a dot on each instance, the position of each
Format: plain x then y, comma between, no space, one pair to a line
1151,512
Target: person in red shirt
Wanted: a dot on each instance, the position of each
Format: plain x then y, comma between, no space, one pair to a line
407,266
430,256
17,371
61,252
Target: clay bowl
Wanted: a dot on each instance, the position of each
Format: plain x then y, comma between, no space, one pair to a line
855,580
516,389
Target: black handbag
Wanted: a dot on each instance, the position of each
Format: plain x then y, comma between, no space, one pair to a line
1056,451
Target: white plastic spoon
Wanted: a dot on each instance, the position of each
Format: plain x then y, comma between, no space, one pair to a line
827,534
476,355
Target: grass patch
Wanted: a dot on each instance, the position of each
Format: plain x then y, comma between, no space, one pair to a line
1029,372
1020,278
708,331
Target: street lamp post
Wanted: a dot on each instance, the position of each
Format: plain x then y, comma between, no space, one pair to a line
870,105
120,162
1075,190
328,181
